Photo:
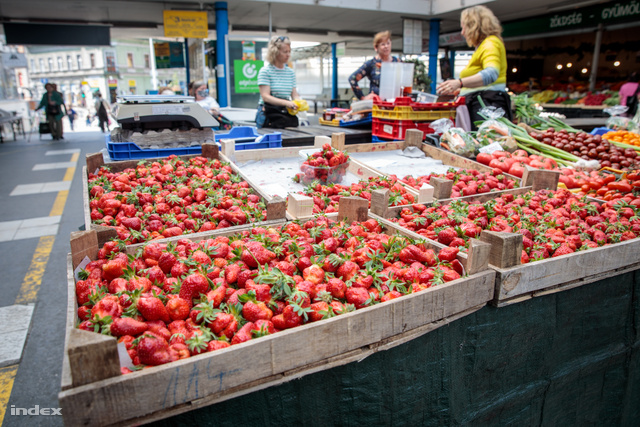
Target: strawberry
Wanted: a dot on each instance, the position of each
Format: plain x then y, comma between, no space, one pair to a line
127,326
153,309
357,296
447,235
263,327
244,334
114,268
347,270
166,261
178,309
107,306
336,287
448,254
153,350
192,286
254,310
563,249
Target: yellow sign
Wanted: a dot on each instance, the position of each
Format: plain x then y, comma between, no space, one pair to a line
183,23
132,83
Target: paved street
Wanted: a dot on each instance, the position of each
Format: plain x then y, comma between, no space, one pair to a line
41,204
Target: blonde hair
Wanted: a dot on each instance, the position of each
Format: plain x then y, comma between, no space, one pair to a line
275,44
380,37
480,23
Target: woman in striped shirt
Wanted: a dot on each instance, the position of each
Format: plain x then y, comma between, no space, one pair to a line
277,82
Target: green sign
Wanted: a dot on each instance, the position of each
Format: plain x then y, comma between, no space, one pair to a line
245,75
587,17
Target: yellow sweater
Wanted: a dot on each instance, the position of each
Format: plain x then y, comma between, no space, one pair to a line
490,53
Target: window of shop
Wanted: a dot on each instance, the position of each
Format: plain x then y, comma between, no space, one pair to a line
92,59
60,66
79,60
69,62
130,60
147,62
50,63
41,64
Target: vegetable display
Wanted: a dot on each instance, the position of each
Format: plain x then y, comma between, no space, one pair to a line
173,301
553,223
590,147
515,163
170,197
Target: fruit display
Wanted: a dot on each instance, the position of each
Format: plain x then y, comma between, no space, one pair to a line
590,147
170,197
553,223
327,197
326,166
175,300
514,163
623,136
466,182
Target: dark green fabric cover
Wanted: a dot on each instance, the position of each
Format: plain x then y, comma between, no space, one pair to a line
566,359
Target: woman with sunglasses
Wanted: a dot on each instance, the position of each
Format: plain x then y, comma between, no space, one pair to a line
371,68
277,83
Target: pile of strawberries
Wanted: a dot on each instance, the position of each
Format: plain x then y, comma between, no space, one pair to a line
326,166
327,197
171,197
466,182
173,301
553,223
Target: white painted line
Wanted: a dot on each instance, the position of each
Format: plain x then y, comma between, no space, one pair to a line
14,327
57,152
56,186
31,232
42,187
49,166
44,220
29,228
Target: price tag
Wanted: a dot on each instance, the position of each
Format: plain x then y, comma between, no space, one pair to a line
491,148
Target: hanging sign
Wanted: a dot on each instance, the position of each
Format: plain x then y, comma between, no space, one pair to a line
245,76
184,23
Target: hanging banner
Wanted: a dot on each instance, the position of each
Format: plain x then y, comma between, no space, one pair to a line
245,75
183,23
248,51
169,55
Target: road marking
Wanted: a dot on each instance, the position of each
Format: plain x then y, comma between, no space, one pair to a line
41,187
29,228
14,326
49,166
7,375
58,152
33,277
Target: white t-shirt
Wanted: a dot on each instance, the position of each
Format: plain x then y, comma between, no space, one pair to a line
209,103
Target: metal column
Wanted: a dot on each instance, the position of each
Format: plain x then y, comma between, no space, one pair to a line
222,29
334,77
434,45
596,57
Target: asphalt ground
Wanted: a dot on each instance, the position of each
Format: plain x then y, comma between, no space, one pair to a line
35,226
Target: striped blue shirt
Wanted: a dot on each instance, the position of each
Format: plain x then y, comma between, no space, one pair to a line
282,81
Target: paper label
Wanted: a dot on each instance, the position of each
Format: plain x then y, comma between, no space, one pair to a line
167,109
387,129
491,148
81,267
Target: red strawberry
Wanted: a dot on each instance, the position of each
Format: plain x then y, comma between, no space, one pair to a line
114,268
336,287
217,345
448,254
166,262
347,270
563,249
357,296
153,309
244,334
192,286
107,306
447,235
177,308
153,350
127,326
256,310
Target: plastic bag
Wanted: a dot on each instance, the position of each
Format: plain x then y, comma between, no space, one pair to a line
454,139
491,131
302,106
617,122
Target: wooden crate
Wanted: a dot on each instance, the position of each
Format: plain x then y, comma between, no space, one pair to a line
275,206
94,393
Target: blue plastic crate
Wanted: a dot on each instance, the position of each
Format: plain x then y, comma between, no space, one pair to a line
245,140
354,123
600,131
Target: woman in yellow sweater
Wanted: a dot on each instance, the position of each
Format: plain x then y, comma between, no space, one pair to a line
486,74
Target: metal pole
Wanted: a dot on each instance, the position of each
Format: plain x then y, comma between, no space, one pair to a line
452,62
270,29
596,58
222,30
154,71
334,60
434,45
186,60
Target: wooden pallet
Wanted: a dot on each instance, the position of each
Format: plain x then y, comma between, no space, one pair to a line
275,206
94,392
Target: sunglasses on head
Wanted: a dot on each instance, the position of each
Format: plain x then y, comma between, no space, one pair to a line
282,38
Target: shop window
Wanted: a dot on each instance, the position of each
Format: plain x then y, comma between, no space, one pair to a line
69,62
60,63
130,60
147,62
41,64
50,63
92,59
79,60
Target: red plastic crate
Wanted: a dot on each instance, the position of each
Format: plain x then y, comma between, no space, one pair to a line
396,129
405,101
